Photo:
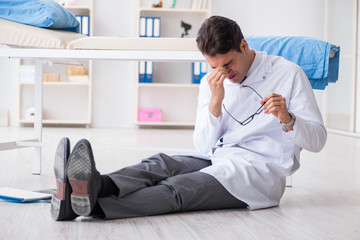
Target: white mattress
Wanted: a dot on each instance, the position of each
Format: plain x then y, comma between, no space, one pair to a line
119,43
22,35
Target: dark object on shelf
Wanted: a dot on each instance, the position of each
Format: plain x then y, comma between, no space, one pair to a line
186,27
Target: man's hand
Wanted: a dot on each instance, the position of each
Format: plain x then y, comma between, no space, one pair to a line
216,80
276,105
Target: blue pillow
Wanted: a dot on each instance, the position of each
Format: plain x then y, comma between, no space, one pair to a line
311,54
39,13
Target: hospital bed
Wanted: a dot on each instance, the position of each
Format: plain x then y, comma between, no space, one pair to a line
47,45
23,41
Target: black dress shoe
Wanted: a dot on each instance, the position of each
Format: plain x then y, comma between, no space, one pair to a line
60,202
84,179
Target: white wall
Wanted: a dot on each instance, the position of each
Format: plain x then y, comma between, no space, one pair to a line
9,87
275,17
113,92
341,32
113,101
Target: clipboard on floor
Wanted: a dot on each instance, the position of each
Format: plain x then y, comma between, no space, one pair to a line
22,196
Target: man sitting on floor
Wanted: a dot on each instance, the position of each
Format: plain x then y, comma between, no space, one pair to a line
255,114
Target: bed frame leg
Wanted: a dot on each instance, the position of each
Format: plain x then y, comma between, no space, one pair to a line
38,103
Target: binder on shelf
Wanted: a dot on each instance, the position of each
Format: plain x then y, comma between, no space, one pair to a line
196,72
84,21
149,27
142,27
142,72
85,25
156,25
149,72
203,69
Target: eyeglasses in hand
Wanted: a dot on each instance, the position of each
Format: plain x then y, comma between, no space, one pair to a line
249,119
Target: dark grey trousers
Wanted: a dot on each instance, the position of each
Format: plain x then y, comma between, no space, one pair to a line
166,184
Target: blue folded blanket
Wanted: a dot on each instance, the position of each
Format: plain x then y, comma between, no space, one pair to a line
39,13
312,55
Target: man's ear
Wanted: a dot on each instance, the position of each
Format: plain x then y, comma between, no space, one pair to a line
244,46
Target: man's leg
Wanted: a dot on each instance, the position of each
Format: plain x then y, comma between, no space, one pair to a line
183,192
60,203
84,179
87,184
153,170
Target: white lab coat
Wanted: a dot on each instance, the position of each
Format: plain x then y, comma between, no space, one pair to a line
253,161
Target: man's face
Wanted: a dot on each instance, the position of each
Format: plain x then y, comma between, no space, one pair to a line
235,64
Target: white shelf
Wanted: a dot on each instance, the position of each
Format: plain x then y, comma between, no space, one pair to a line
171,89
56,121
64,102
62,83
168,85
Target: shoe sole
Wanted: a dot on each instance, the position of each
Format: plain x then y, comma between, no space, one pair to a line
60,207
80,170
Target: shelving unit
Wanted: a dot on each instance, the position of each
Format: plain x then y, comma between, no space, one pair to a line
171,89
65,102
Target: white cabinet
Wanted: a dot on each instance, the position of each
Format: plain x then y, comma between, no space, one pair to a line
66,94
171,89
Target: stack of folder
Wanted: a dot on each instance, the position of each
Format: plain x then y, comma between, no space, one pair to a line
149,27
199,70
84,21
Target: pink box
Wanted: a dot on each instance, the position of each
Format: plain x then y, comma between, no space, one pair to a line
150,115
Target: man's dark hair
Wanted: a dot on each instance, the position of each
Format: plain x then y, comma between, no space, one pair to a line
219,35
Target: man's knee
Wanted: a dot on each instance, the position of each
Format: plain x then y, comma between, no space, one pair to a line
160,159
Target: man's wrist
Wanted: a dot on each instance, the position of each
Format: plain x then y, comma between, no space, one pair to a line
215,108
291,122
